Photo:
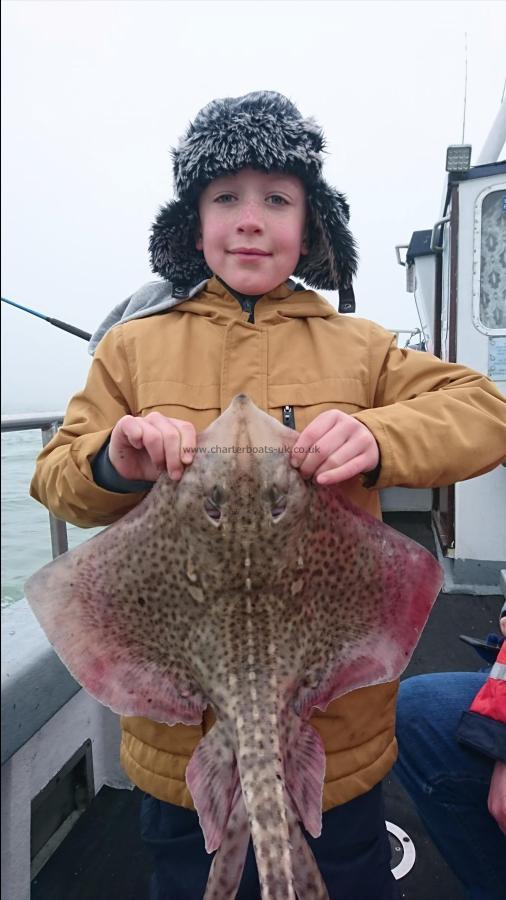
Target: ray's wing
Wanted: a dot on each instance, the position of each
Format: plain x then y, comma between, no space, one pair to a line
117,610
369,593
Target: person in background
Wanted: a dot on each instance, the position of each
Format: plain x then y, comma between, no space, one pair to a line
451,732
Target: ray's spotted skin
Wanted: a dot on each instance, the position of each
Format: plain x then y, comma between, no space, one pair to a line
265,596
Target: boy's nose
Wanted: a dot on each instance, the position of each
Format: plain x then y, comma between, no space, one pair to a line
249,220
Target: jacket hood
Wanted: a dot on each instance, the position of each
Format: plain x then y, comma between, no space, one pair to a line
210,298
287,301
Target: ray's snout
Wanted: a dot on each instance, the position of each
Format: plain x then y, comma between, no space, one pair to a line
244,425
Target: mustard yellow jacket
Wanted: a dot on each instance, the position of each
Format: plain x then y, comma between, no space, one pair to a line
435,423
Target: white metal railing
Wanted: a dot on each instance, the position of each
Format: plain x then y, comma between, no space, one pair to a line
409,335
48,424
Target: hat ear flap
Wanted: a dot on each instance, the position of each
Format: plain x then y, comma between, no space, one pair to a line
172,247
332,259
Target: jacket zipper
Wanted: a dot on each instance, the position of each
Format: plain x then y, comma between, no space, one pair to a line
249,307
288,417
288,414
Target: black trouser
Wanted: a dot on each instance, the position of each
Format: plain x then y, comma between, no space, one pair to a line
353,852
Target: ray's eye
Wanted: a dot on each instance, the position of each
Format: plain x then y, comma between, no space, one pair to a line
212,504
278,502
213,511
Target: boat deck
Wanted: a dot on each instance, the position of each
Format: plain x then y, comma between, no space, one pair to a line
103,856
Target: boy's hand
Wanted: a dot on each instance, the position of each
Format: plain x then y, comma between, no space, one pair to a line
142,447
334,448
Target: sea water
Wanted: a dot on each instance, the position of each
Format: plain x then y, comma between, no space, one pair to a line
26,539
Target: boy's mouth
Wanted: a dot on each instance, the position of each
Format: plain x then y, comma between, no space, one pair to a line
249,251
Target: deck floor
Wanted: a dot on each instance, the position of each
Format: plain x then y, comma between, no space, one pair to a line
103,856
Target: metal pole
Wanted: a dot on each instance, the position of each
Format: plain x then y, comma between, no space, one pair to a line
58,528
495,140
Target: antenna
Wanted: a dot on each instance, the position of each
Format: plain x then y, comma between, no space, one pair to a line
465,92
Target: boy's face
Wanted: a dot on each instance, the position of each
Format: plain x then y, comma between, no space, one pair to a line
260,212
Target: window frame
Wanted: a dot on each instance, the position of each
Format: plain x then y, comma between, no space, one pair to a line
477,234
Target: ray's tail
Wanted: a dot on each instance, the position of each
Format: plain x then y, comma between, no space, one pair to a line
286,866
262,780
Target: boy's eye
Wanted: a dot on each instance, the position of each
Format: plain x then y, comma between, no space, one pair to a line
224,198
277,200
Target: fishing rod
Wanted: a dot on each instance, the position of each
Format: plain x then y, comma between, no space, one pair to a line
57,322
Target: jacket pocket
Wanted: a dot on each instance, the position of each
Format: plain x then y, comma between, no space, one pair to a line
196,403
309,400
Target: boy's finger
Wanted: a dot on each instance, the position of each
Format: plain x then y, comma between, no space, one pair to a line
344,472
306,440
312,460
133,432
172,449
174,434
188,442
348,451
186,439
314,432
326,448
303,444
154,445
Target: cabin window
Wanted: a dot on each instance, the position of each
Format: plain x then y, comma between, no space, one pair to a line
493,261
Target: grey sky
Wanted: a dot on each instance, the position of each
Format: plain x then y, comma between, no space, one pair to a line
95,93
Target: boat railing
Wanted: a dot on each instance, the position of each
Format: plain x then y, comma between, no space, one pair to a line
48,424
35,683
52,729
409,338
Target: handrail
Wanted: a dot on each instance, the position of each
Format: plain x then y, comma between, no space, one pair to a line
398,248
48,423
31,421
411,332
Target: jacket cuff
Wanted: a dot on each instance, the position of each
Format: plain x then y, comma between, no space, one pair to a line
380,477
369,479
107,477
481,733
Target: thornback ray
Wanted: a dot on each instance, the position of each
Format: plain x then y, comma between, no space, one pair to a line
248,589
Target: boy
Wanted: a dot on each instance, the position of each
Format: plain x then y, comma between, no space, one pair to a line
253,209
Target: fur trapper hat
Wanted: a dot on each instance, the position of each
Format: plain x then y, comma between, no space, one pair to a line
262,130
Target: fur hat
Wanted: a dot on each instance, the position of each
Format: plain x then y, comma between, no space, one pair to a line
262,130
